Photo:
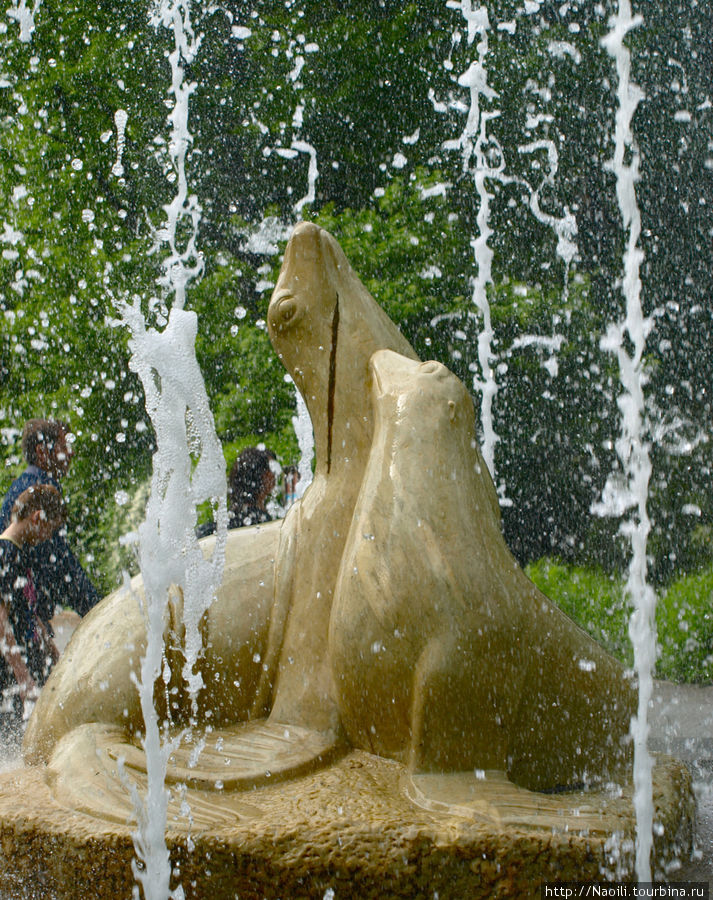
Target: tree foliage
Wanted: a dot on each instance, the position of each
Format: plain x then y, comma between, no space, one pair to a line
369,95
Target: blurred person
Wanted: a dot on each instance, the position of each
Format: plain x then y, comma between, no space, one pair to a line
27,651
58,576
250,483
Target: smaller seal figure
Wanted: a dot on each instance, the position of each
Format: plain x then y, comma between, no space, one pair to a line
444,655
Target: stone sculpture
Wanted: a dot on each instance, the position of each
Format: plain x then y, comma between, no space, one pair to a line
376,665
445,655
267,629
386,608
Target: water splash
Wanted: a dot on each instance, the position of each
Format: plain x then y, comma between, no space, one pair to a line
25,18
312,174
473,144
484,160
631,448
182,264
564,226
188,469
299,144
121,117
12,237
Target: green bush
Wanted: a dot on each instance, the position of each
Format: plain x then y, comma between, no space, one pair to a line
685,629
596,602
593,599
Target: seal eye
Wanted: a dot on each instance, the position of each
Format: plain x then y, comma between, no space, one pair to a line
432,367
287,309
284,311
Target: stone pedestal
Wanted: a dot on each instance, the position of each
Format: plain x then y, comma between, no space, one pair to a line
361,825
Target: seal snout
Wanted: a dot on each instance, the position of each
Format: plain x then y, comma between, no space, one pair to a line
383,364
304,247
392,372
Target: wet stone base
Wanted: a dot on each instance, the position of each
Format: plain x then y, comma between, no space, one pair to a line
361,826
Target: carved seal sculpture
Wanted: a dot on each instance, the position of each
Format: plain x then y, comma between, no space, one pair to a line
430,605
384,612
445,656
265,637
325,326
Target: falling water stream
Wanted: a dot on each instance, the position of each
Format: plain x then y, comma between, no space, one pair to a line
476,144
472,144
188,467
632,450
484,160
24,15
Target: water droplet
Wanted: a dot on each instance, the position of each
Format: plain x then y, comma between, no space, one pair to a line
587,665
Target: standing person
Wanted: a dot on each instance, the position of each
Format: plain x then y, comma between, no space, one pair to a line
27,651
58,575
250,483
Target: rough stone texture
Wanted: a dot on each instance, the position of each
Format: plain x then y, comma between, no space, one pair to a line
350,827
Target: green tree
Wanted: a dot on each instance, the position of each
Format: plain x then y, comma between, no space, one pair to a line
370,92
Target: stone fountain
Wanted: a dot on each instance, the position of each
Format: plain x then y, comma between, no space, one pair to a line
390,708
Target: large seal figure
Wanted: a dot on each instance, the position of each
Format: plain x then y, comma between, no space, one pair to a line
445,656
265,636
325,327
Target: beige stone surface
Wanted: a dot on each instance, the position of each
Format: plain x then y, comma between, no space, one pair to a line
93,680
446,656
364,826
325,326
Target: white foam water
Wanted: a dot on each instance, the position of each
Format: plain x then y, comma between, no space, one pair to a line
631,447
472,144
24,15
188,468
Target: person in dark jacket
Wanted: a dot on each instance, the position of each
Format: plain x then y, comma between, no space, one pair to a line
27,651
59,577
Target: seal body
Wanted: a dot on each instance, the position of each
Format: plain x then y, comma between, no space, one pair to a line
265,637
94,678
325,326
445,656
